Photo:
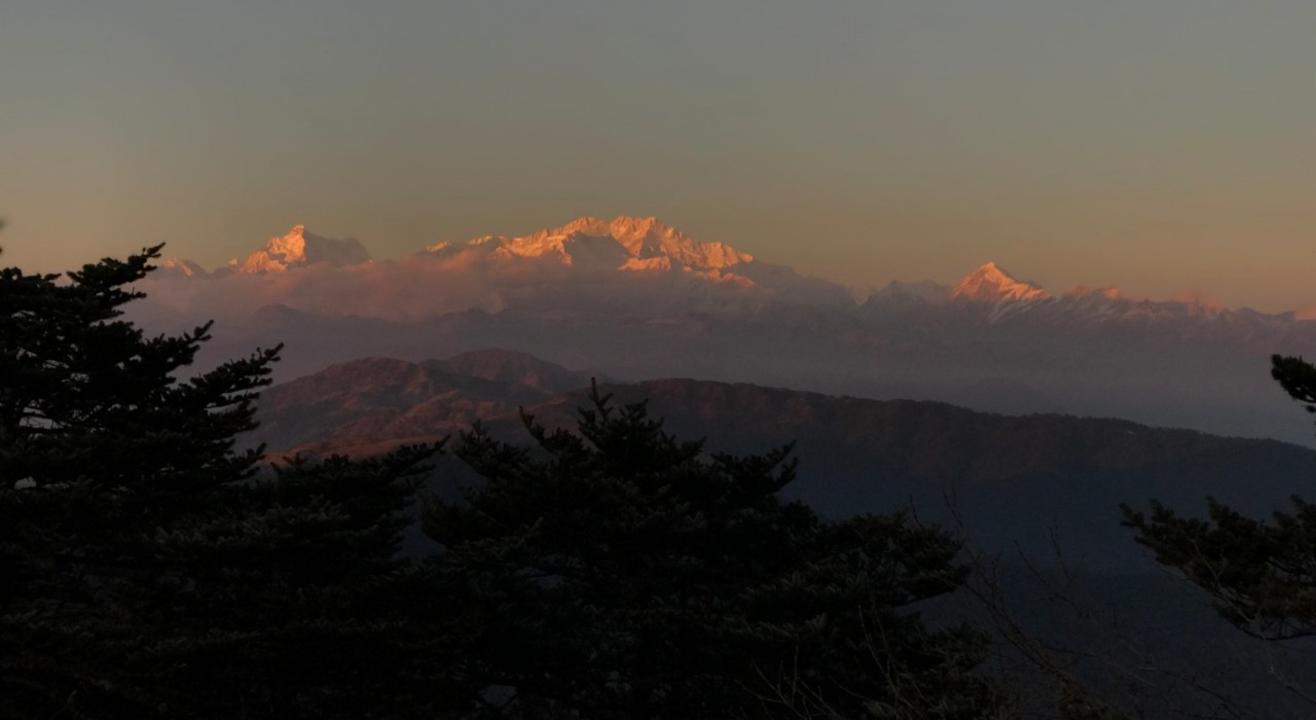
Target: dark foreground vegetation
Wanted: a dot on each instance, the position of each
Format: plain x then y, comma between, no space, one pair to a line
151,568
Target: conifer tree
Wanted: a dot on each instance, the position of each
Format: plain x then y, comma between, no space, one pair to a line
146,568
618,572
1260,573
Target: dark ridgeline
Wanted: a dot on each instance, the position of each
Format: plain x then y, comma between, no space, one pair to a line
152,571
1013,478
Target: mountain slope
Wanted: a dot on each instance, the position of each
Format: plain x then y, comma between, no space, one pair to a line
1040,489
513,368
1015,477
358,404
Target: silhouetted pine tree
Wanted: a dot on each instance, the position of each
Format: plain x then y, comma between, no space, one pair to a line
147,569
1262,574
617,572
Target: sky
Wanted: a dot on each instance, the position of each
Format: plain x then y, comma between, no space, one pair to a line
1157,145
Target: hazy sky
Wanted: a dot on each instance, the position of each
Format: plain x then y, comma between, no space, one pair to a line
1159,145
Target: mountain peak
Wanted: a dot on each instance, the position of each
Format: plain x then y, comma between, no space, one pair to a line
626,242
992,283
622,225
585,224
298,248
181,267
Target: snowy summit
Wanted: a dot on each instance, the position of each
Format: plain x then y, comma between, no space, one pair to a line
991,283
298,248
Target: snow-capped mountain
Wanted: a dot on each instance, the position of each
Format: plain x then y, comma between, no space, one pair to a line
299,248
623,243
185,268
638,299
990,283
628,264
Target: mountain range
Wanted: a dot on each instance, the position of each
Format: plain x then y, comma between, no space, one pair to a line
636,299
